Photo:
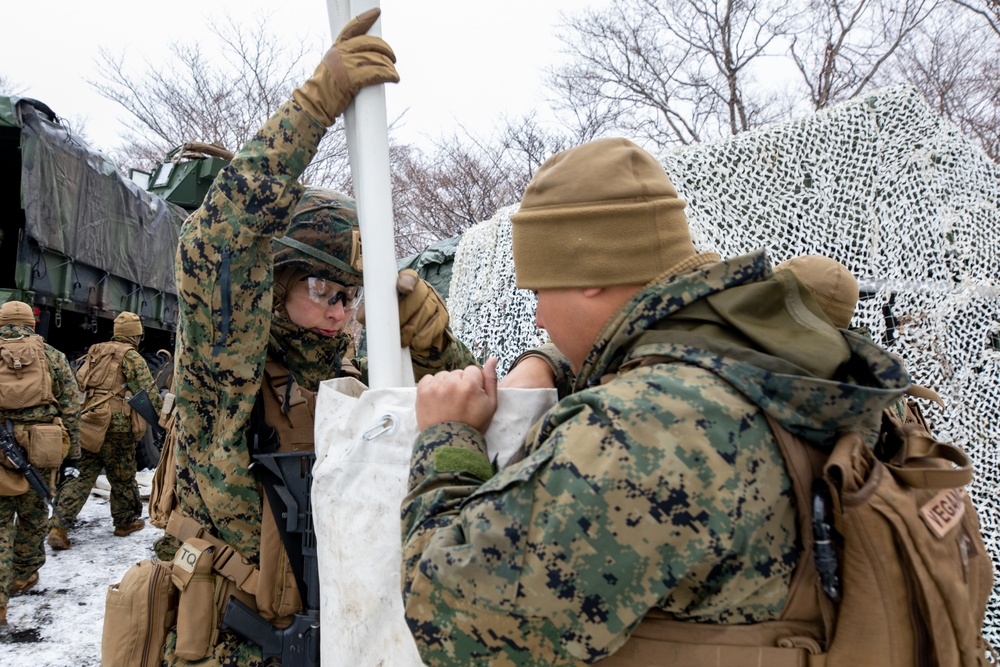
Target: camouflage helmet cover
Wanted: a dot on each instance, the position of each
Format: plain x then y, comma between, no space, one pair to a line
323,239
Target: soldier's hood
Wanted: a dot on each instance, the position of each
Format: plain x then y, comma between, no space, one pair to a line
128,340
764,334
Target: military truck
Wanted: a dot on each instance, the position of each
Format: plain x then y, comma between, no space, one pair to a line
80,242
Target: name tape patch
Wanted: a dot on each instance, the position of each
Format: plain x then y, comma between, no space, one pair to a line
187,557
944,511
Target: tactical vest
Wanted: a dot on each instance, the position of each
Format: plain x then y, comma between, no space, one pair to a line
269,588
25,381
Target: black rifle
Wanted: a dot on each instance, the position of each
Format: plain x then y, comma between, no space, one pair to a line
824,555
140,403
288,483
17,457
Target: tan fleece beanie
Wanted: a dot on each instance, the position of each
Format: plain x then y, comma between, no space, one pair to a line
830,282
17,312
128,324
604,213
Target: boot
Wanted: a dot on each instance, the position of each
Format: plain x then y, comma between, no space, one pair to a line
129,528
22,586
58,539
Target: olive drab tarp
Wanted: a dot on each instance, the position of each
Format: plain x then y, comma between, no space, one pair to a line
434,263
76,203
8,112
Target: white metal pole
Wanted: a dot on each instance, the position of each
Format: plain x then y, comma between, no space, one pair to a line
368,146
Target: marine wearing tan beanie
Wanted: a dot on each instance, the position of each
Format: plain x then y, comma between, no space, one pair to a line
830,282
128,324
17,312
604,213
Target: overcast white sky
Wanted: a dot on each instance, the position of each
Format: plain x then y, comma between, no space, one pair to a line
460,61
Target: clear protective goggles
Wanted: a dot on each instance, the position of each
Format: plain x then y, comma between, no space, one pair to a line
325,292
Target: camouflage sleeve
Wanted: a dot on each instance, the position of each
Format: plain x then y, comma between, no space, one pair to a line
557,361
631,497
138,377
65,389
457,355
224,272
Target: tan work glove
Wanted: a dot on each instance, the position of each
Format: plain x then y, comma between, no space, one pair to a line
423,317
354,61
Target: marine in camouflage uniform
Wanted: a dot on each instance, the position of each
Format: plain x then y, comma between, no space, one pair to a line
233,312
116,456
656,483
22,543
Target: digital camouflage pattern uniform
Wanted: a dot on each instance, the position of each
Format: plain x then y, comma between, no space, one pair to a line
226,325
658,487
116,456
22,545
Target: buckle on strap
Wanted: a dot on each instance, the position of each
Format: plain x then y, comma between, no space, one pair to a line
231,565
228,562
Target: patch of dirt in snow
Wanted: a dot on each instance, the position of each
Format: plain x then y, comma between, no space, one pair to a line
59,622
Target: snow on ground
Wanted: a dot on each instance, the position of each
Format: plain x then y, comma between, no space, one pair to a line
59,622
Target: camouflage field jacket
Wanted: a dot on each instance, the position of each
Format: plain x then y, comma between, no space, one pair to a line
224,273
656,487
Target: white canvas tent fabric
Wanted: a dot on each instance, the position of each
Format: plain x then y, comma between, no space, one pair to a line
364,439
880,183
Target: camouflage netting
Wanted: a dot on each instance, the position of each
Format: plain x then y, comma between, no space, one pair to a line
883,185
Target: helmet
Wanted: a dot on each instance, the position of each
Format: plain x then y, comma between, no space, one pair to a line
128,324
17,312
323,239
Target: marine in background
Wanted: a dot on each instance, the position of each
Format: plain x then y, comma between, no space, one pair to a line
39,397
111,373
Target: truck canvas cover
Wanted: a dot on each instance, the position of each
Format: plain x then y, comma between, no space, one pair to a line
77,203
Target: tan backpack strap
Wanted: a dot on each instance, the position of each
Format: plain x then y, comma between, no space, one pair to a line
662,640
926,393
806,600
106,397
929,464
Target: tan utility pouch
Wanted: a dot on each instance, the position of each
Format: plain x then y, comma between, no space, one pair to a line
138,612
136,421
916,575
11,483
198,609
94,424
42,442
277,593
162,498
